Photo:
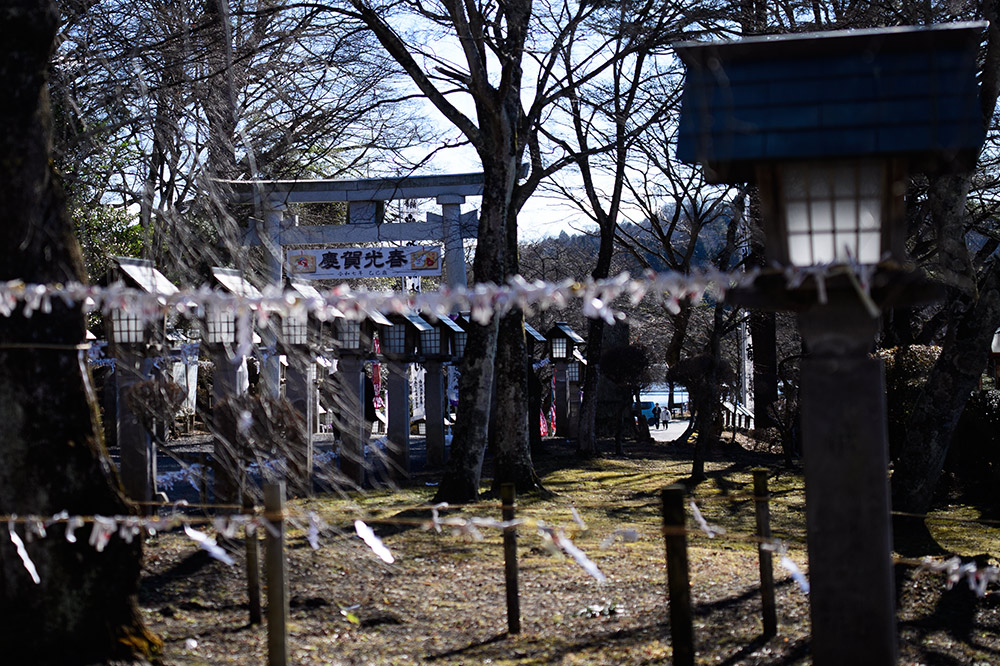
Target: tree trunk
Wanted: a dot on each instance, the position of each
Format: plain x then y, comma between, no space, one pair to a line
641,424
974,311
463,470
499,141
763,329
512,457
83,610
703,427
512,453
765,367
958,368
708,401
587,445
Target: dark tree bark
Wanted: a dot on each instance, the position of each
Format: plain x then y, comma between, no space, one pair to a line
84,608
595,330
495,137
587,446
708,399
463,470
763,328
763,331
512,454
973,312
955,374
512,446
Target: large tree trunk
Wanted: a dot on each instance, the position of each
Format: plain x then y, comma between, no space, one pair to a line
974,311
512,457
763,331
709,398
595,346
463,470
972,321
763,328
83,610
587,445
512,452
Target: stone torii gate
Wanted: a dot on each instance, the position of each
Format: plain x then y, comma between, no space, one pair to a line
366,205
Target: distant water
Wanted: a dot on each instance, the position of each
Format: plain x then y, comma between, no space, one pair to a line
663,397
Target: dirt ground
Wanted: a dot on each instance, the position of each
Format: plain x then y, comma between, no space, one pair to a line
443,601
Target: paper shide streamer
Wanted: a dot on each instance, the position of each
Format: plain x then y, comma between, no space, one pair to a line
483,301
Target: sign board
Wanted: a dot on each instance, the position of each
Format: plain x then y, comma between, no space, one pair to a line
360,262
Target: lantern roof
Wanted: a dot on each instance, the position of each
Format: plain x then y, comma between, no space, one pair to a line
376,317
145,276
450,324
907,92
411,318
306,290
233,282
533,332
562,330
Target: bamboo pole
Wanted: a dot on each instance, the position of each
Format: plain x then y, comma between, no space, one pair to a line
762,498
277,579
253,565
681,625
508,497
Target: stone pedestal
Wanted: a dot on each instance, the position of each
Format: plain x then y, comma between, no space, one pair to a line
138,451
398,430
435,401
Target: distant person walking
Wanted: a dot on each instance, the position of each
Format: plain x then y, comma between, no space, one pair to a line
656,416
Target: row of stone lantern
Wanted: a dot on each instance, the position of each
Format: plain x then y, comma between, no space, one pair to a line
405,338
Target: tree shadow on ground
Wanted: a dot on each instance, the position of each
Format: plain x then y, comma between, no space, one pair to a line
195,563
911,538
468,648
539,650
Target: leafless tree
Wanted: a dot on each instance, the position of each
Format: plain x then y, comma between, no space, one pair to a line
83,601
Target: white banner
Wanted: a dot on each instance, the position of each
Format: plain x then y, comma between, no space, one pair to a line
338,263
418,395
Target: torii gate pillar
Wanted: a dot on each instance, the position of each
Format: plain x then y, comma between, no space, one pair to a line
454,252
270,370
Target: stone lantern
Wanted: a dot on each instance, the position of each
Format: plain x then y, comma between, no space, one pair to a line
354,344
230,381
131,332
562,341
401,346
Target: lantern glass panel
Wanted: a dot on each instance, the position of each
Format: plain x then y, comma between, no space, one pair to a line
221,326
833,212
295,329
394,338
460,340
430,341
350,335
559,348
573,372
127,328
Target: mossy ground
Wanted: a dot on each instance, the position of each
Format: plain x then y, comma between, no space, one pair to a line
443,600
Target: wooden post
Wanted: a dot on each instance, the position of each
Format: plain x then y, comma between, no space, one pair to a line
852,593
253,565
762,498
681,631
507,497
203,480
277,581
